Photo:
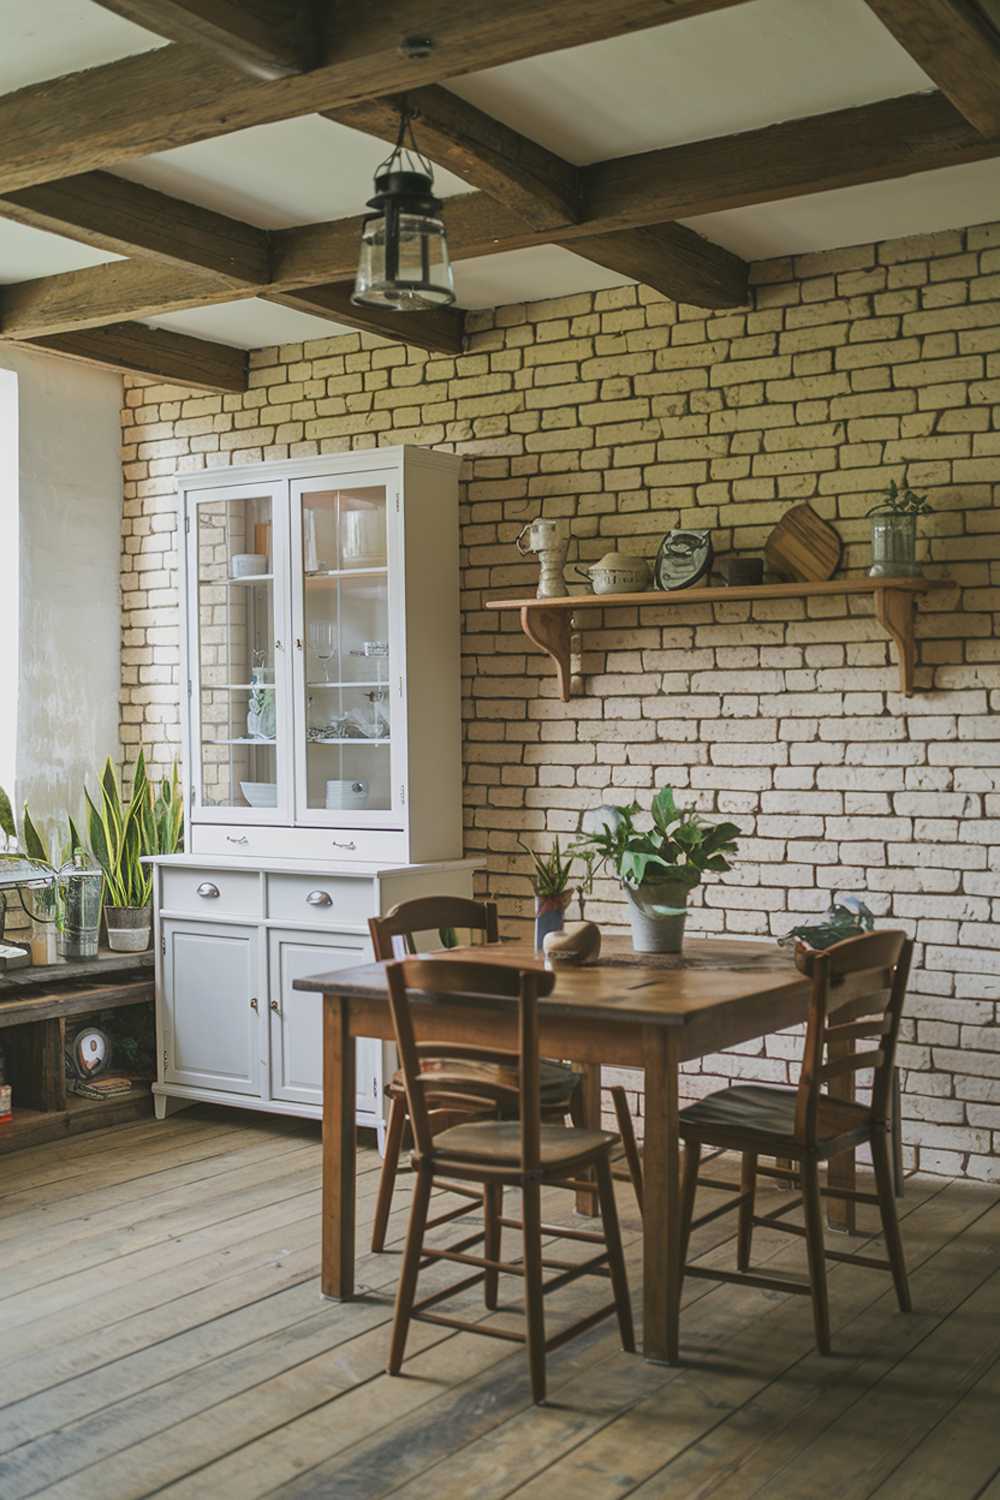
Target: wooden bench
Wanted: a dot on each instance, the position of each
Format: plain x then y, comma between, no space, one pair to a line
35,1004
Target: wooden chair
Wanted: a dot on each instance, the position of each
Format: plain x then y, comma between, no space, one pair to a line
523,1153
858,991
393,936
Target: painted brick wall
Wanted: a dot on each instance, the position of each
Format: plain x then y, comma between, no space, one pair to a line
628,415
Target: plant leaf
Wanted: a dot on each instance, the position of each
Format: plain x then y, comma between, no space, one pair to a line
34,845
7,824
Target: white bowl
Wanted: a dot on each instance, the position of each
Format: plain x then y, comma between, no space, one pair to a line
346,795
248,564
260,793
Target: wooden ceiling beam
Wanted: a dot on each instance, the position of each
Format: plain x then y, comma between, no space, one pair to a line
673,260
441,330
126,218
176,95
157,352
265,38
872,143
533,182
956,45
817,154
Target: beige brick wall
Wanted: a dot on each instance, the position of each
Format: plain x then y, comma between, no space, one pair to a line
627,415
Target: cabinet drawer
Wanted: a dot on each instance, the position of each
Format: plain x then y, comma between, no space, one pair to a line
329,900
212,892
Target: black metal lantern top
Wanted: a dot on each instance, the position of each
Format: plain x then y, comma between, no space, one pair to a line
404,260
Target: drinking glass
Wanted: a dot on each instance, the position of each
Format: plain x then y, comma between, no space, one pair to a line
323,639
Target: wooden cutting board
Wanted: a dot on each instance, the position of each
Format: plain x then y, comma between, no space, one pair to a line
803,546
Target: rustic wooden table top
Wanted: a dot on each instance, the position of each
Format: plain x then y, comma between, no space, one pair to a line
645,988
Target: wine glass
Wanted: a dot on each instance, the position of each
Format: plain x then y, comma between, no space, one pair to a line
323,639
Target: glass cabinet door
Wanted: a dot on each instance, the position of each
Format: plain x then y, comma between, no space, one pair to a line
344,542
238,694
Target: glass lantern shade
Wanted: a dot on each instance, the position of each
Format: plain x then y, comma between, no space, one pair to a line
79,886
404,260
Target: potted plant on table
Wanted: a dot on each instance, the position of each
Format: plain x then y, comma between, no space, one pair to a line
550,881
660,866
894,533
122,836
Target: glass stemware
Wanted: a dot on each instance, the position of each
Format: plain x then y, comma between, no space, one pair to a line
323,639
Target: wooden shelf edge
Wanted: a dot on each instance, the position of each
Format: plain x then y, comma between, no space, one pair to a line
31,1127
548,622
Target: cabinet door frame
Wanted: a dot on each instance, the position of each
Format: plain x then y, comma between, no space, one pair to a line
170,1072
360,947
196,810
388,477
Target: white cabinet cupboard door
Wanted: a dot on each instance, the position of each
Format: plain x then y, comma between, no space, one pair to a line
297,1022
210,1006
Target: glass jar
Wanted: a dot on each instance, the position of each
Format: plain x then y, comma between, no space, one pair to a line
894,546
79,888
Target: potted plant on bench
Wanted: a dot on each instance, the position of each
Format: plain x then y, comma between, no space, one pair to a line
660,866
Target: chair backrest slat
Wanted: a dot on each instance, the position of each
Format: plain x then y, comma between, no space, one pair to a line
430,914
443,981
874,968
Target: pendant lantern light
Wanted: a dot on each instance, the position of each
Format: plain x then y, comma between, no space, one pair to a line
404,260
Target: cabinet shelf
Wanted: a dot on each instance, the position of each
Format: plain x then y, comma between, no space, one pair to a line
245,740
548,622
252,578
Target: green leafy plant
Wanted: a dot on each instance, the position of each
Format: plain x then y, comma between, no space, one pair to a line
552,871
680,846
31,843
123,834
897,502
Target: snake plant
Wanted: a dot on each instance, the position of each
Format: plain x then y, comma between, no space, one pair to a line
123,833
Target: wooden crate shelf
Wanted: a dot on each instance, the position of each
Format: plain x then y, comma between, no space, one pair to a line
548,622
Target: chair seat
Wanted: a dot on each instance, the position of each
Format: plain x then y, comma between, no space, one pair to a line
756,1112
558,1080
498,1143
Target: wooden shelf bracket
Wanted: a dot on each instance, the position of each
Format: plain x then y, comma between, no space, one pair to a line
894,611
550,629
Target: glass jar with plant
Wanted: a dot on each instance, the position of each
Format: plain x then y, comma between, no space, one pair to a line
122,835
659,867
894,533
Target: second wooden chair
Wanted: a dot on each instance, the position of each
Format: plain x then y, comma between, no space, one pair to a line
858,990
394,936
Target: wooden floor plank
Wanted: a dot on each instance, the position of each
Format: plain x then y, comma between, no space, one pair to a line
960,1455
215,1372
515,1444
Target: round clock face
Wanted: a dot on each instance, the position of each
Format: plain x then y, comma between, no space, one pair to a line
91,1050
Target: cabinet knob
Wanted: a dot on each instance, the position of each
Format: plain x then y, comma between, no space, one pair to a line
208,889
276,1007
254,1005
319,898
351,845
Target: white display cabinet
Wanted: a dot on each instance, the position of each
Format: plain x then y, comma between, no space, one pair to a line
322,759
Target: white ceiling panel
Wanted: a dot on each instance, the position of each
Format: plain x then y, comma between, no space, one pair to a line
731,70
46,38
921,204
293,172
27,253
529,276
251,324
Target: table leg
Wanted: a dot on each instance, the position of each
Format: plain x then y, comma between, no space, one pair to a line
339,1151
590,1116
662,1270
841,1213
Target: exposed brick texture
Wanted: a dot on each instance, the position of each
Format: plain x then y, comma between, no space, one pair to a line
628,415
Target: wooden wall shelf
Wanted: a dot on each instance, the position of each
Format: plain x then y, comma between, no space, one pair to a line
548,622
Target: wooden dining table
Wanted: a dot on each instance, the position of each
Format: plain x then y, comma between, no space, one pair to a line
648,1011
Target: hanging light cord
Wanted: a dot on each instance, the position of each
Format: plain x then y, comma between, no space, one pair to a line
406,155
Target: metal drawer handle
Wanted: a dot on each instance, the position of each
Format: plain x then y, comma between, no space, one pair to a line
232,839
319,898
351,845
208,888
